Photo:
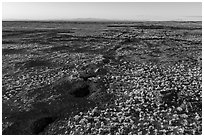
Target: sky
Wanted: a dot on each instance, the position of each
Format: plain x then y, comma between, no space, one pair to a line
137,11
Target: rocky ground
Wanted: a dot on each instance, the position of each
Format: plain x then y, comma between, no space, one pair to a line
102,78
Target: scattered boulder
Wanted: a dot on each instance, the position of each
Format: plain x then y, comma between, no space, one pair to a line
77,117
92,70
101,71
87,74
199,59
95,112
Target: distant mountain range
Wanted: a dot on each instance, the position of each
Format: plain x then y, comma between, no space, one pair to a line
74,19
92,20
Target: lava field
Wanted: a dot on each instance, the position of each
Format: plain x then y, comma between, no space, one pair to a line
90,78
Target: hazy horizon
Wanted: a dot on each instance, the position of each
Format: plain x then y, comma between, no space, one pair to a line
122,11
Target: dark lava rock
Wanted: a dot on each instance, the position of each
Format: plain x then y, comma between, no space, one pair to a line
16,128
101,71
36,63
39,125
12,51
91,71
170,97
73,95
106,60
88,71
86,75
81,91
78,87
28,127
33,63
100,97
95,112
